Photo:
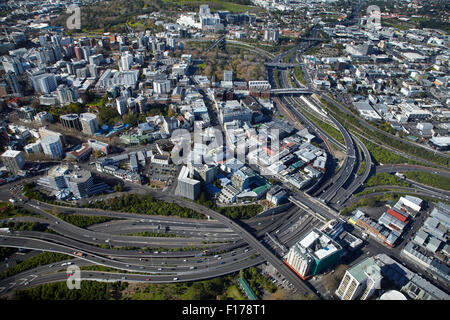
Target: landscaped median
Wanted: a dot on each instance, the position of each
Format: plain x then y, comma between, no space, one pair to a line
429,179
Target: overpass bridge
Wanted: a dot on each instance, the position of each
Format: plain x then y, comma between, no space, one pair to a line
280,91
215,43
280,65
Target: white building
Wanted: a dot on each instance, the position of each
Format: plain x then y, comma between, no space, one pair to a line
13,160
126,61
89,123
360,281
271,35
161,86
121,104
52,147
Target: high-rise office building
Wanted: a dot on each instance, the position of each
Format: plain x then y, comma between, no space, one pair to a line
86,52
78,53
228,75
52,146
126,61
12,64
96,59
66,95
44,83
13,160
161,86
187,186
313,253
13,83
360,281
89,123
121,104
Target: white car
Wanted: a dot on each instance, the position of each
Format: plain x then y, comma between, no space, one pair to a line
175,279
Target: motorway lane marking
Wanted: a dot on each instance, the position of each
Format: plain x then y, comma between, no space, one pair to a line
2,289
12,284
24,280
34,277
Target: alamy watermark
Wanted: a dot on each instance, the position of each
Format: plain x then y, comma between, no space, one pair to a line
74,277
73,22
373,17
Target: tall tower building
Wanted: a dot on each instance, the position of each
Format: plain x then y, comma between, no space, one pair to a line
13,160
227,75
187,186
13,83
360,281
121,104
89,123
126,61
66,95
44,83
52,147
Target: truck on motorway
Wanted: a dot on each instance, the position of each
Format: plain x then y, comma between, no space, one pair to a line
5,230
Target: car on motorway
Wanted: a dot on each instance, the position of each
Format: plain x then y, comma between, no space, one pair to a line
159,269
184,260
123,278
175,279
147,279
192,268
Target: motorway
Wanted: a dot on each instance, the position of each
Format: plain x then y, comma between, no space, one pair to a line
346,172
41,241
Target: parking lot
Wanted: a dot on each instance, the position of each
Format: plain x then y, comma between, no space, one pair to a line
162,173
270,272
